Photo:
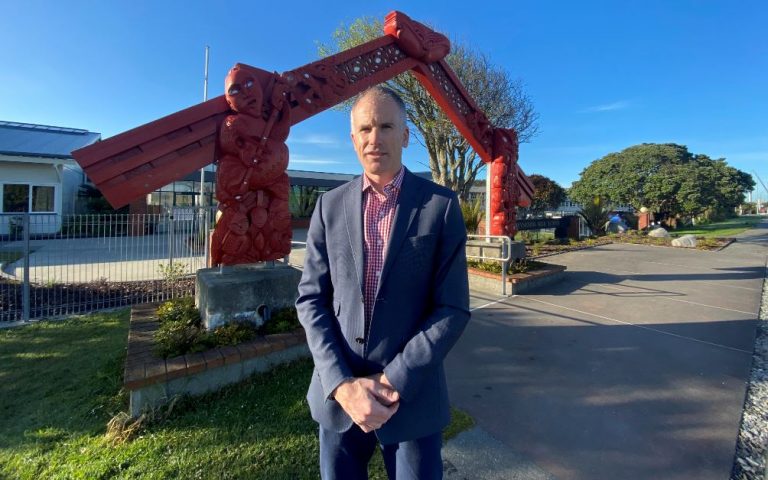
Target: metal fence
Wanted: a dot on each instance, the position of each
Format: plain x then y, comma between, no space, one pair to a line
477,245
55,265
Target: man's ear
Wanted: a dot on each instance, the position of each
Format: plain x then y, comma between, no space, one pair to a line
406,135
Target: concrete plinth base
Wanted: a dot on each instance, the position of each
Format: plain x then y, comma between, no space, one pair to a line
244,292
480,248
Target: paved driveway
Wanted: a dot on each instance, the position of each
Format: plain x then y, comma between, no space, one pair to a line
634,367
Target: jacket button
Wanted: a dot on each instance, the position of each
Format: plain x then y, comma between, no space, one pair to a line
360,340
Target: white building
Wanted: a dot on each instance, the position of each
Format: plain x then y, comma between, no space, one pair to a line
38,173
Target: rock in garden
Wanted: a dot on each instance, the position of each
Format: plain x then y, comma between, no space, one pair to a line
687,241
658,233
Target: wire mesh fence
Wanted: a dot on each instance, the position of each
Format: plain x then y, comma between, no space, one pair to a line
53,265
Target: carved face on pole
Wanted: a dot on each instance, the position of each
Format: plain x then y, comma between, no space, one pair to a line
243,91
379,134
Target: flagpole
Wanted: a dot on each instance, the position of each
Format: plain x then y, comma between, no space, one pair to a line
201,201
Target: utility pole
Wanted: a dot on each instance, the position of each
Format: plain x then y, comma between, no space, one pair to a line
764,188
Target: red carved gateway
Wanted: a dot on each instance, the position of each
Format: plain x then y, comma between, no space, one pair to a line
246,129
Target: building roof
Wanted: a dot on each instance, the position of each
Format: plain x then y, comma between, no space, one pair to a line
304,177
31,140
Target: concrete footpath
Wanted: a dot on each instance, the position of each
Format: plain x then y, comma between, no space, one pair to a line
634,367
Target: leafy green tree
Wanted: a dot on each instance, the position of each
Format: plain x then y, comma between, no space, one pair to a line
547,194
451,159
667,179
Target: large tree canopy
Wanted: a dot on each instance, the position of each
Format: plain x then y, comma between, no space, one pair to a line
666,178
547,194
451,159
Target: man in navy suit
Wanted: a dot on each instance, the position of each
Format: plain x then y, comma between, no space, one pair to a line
383,297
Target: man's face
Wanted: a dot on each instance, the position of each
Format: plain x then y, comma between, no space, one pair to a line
379,134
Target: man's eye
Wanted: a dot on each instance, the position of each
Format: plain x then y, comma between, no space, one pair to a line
249,84
234,90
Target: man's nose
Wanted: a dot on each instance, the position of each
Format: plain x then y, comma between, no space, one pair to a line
374,136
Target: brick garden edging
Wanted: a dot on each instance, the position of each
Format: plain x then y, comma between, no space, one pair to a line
153,380
517,283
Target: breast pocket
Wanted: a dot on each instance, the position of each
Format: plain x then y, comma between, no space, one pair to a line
418,252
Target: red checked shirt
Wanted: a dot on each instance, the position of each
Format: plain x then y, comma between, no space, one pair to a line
378,214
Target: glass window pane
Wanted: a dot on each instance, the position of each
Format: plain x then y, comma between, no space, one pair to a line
185,199
15,198
42,199
183,186
166,199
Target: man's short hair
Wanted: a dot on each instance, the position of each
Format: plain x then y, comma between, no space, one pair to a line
380,91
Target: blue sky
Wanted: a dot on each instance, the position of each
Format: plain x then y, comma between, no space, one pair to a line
602,75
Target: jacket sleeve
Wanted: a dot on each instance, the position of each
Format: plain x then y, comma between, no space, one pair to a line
445,323
315,308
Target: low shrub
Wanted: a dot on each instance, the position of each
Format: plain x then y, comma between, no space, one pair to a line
181,330
179,309
522,265
284,320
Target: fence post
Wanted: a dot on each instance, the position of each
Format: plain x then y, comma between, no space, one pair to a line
171,228
25,286
207,233
504,266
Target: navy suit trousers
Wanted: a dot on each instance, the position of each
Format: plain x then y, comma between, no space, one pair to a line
345,456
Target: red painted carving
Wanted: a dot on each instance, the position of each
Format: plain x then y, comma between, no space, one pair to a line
504,182
252,186
509,186
249,125
415,39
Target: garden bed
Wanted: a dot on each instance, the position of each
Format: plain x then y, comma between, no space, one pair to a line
555,247
153,380
702,243
517,283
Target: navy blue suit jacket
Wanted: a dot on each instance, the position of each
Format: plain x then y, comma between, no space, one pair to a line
421,309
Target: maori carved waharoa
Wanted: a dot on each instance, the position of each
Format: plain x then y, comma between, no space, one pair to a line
246,129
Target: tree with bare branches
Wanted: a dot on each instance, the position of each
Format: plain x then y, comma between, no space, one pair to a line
452,160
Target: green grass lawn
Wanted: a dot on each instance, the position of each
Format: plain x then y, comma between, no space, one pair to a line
61,382
726,228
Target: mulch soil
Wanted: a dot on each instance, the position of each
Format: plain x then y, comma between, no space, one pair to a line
63,299
545,250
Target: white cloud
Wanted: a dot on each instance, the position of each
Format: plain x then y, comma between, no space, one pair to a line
608,107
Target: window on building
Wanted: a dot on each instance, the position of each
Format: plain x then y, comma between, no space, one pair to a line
42,199
15,198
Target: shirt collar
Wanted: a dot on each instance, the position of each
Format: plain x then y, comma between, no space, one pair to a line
393,186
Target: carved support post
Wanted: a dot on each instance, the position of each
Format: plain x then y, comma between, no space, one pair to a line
505,191
252,186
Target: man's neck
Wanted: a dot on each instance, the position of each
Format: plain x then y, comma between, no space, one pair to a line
378,182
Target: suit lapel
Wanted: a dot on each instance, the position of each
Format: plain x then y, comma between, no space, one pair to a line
353,211
406,210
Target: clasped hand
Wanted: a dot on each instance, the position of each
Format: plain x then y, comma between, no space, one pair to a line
370,401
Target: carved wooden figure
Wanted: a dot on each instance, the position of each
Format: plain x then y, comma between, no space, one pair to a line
252,186
246,130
